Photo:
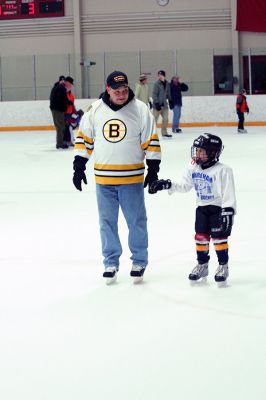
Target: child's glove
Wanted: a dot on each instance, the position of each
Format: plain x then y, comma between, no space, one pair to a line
161,184
226,221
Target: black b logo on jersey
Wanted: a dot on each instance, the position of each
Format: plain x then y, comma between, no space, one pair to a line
114,130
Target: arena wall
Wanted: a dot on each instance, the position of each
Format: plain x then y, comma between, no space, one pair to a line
196,111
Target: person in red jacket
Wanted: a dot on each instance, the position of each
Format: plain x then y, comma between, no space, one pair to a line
71,109
241,108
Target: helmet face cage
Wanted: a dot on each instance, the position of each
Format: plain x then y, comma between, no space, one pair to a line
211,144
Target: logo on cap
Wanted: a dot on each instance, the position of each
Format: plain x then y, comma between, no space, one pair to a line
119,78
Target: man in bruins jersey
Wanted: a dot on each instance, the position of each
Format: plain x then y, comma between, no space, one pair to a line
120,130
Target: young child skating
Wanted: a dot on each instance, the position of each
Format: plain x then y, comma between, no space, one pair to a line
216,203
241,109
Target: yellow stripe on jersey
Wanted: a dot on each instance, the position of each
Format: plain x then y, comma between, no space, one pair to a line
111,180
87,139
83,142
118,167
153,148
153,141
81,146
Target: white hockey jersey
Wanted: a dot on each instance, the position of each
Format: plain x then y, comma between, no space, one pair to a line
213,186
119,140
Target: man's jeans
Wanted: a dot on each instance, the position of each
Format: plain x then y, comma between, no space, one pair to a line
131,200
176,116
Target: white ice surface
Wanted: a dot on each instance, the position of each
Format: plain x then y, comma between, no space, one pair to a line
65,335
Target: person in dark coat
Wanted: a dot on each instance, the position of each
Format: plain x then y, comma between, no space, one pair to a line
58,105
161,98
176,88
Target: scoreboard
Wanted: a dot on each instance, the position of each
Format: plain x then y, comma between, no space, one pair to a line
21,9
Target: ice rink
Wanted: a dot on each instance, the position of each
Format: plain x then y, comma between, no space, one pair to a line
65,335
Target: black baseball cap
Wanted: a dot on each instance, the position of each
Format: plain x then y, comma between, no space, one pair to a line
117,79
161,72
69,79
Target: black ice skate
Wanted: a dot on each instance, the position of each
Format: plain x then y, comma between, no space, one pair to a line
110,274
222,273
137,272
200,271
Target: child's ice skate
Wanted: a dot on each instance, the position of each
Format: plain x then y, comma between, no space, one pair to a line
200,271
137,273
110,274
222,273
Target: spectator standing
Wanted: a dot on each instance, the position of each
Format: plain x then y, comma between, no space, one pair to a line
161,97
120,130
241,108
58,106
177,88
142,90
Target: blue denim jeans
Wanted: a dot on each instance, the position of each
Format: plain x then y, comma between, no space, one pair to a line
131,200
176,116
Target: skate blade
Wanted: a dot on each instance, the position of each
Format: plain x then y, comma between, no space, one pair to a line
222,284
201,281
137,279
110,281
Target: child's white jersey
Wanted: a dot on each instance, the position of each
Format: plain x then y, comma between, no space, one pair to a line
213,186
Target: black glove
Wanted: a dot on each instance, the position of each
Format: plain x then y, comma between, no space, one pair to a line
158,107
162,184
226,221
150,104
171,105
152,174
79,165
183,87
247,110
150,178
80,113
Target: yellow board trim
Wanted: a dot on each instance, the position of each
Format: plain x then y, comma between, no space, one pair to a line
182,125
27,128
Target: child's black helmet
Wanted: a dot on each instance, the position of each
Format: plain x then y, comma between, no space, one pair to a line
213,146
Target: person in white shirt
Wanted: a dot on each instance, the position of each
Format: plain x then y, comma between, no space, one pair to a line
120,131
216,202
142,90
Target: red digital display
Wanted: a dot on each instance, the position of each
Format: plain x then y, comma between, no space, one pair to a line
17,9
